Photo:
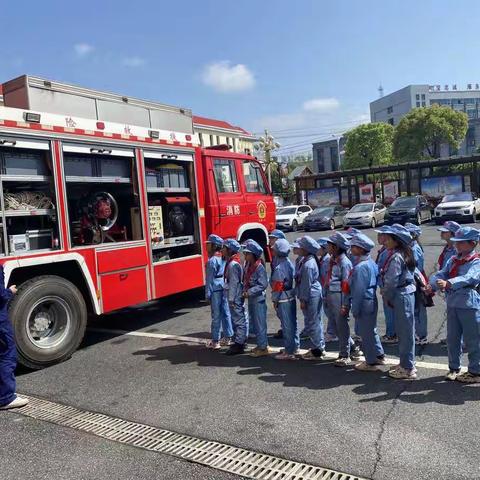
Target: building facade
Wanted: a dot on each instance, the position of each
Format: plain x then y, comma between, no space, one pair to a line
213,132
391,108
328,154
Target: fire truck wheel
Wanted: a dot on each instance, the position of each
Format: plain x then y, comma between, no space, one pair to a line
49,316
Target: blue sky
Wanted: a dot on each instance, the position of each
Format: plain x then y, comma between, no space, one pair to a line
306,69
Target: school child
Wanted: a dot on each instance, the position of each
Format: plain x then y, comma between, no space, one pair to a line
284,301
233,286
364,304
398,291
215,295
309,293
459,280
421,318
296,250
350,232
447,231
8,353
382,255
337,299
324,261
255,284
273,236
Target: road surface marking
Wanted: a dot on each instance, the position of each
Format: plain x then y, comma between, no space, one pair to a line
202,341
220,456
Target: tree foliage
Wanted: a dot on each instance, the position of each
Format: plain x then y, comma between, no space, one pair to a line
422,131
368,145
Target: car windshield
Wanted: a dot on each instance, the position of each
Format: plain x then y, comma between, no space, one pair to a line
362,207
458,197
286,211
405,202
325,211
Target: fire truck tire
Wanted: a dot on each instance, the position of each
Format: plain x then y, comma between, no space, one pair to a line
49,317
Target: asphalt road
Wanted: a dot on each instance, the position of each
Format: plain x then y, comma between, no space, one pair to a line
359,423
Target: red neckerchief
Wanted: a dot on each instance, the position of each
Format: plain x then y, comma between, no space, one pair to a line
387,262
380,252
249,271
457,262
442,255
233,258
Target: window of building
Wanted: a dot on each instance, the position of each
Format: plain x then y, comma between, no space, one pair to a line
225,176
320,160
200,137
417,96
211,140
334,158
423,104
418,104
391,121
218,140
390,110
253,178
423,96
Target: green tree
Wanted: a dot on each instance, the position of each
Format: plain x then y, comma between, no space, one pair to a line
368,145
422,131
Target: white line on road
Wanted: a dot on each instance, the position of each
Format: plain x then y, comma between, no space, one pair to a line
202,341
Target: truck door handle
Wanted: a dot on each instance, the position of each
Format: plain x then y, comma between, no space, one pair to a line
123,276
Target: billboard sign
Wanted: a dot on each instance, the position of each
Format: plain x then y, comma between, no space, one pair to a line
322,197
366,193
434,188
390,191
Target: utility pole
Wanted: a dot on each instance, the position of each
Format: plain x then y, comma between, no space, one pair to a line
267,143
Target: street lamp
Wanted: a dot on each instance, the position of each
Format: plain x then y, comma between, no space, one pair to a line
267,143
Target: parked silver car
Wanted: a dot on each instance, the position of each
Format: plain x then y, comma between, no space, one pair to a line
365,215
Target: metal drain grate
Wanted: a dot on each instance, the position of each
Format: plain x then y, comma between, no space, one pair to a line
238,461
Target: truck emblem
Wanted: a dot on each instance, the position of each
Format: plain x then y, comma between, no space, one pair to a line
262,209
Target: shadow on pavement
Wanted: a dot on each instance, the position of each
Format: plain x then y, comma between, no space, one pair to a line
376,387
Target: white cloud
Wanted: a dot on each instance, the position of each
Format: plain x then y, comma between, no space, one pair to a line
321,104
226,78
83,49
133,62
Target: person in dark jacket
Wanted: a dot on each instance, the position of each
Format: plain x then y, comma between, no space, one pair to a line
8,353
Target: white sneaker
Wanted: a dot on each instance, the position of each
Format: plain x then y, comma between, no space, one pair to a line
342,362
211,345
365,367
226,341
403,374
19,402
452,375
285,356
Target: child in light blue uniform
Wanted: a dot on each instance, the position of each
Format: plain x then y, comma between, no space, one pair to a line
234,291
284,301
364,304
337,297
382,257
296,250
399,292
309,293
215,295
421,319
273,236
324,261
255,284
447,232
460,279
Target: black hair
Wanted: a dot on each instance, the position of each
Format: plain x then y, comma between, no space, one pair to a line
217,248
407,254
339,250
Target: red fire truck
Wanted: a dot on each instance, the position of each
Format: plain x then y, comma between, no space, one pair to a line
106,202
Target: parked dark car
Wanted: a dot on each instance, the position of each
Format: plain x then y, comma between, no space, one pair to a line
414,208
325,218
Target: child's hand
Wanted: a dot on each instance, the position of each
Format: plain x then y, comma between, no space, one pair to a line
303,305
344,311
441,284
245,295
275,305
13,289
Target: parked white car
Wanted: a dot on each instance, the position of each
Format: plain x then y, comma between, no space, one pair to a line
292,217
365,215
458,206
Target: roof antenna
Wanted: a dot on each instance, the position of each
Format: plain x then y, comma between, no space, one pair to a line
380,91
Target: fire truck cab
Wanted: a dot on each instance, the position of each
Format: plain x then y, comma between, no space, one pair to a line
106,202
